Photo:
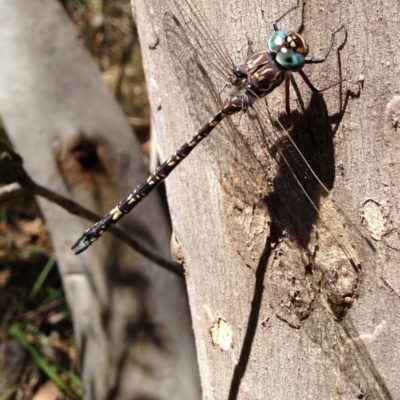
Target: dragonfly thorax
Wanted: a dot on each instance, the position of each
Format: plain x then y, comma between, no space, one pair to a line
289,49
262,74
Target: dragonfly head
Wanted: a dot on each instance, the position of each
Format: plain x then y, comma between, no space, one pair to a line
290,50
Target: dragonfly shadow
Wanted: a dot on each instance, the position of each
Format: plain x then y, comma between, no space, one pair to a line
307,172
312,249
295,200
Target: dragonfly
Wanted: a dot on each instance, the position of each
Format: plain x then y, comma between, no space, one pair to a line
258,76
296,189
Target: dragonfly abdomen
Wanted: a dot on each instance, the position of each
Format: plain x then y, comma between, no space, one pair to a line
232,105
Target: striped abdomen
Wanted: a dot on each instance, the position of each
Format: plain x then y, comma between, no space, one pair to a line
232,105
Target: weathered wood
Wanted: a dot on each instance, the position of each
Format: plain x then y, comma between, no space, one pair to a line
131,318
246,343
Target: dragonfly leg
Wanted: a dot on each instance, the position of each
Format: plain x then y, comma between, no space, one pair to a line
287,93
323,59
275,24
316,90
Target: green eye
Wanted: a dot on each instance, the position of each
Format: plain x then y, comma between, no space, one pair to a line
290,59
276,41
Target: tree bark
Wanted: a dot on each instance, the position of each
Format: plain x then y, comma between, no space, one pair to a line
275,316
131,318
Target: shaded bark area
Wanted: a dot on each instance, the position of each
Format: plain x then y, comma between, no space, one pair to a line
131,318
322,323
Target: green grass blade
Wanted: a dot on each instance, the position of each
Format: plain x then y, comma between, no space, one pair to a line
41,362
42,277
7,395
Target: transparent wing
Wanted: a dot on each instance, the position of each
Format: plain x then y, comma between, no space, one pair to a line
178,18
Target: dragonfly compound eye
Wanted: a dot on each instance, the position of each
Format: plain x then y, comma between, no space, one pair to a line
290,59
296,43
277,41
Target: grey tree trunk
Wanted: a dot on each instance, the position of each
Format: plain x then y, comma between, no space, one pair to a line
131,318
285,305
